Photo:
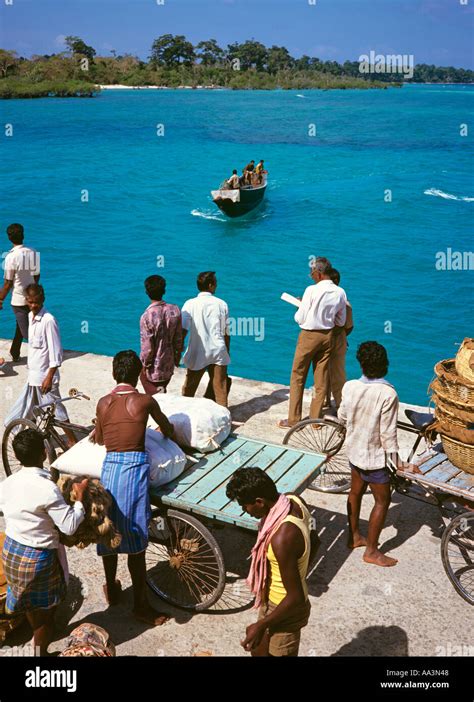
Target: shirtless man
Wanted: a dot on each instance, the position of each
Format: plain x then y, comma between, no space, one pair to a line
280,560
122,417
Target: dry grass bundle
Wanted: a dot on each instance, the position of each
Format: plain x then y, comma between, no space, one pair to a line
97,527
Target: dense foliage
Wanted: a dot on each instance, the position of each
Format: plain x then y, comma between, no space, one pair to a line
174,61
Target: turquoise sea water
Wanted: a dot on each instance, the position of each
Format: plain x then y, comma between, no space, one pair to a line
149,198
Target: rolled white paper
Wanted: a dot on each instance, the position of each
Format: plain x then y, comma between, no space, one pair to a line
292,300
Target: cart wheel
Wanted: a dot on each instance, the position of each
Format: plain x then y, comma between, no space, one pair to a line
457,554
327,437
10,462
184,562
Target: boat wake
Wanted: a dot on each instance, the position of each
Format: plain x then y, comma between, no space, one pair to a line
447,196
208,215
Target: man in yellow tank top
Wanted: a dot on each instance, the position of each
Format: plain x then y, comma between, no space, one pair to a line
280,560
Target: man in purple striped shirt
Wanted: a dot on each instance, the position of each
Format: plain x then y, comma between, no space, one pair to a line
161,338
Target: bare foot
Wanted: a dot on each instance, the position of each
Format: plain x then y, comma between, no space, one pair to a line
357,542
378,558
150,616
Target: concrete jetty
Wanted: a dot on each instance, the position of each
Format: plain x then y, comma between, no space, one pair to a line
357,609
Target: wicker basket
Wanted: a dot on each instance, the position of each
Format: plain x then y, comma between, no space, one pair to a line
461,455
451,386
453,425
464,362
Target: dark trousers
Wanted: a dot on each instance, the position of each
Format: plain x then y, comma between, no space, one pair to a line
21,330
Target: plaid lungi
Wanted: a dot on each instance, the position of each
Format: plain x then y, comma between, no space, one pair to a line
34,576
126,476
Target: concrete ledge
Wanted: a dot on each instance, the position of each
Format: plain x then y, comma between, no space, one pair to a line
357,609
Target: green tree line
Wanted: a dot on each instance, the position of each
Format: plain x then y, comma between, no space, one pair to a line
175,61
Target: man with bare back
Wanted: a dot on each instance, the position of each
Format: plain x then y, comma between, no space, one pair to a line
122,417
369,408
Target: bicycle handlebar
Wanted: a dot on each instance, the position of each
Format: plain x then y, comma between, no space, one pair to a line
73,395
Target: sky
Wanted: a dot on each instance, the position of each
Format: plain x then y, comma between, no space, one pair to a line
433,31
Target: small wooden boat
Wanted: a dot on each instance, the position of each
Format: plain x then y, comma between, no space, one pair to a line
235,203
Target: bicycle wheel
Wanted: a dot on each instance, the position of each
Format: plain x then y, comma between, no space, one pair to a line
184,562
10,462
325,437
457,554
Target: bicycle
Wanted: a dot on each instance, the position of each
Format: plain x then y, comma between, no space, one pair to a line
48,425
438,482
327,436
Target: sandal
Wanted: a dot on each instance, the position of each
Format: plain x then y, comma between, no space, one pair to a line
114,598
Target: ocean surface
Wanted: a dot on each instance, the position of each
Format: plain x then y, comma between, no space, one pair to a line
149,211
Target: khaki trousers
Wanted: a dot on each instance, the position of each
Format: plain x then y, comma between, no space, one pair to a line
337,365
313,347
218,376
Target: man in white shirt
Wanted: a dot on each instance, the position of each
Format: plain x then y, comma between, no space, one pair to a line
45,355
234,181
205,320
322,308
369,408
34,511
21,268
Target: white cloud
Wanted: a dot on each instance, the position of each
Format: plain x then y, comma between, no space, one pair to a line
59,41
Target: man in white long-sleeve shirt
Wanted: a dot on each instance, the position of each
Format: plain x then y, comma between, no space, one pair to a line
323,307
45,355
34,510
369,408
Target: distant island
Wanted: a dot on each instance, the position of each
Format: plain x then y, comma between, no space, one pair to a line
175,62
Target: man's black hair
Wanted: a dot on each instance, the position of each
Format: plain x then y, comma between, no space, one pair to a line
15,233
126,367
205,280
34,289
335,276
155,286
373,359
234,171
28,447
249,483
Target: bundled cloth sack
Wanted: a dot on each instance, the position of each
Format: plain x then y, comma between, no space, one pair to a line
89,640
97,527
85,458
198,423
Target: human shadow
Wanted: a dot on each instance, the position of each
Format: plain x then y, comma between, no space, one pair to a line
376,641
257,405
408,516
7,371
67,609
236,544
69,353
332,552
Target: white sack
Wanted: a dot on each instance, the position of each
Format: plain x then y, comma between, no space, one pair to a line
198,423
167,460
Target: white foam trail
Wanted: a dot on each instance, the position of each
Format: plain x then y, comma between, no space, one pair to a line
303,96
198,213
447,196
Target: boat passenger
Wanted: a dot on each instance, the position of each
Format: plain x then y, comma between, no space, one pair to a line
249,169
259,170
234,180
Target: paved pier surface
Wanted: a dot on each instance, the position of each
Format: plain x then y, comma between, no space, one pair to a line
357,609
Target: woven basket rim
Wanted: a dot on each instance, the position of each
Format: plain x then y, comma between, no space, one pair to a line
456,441
454,377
